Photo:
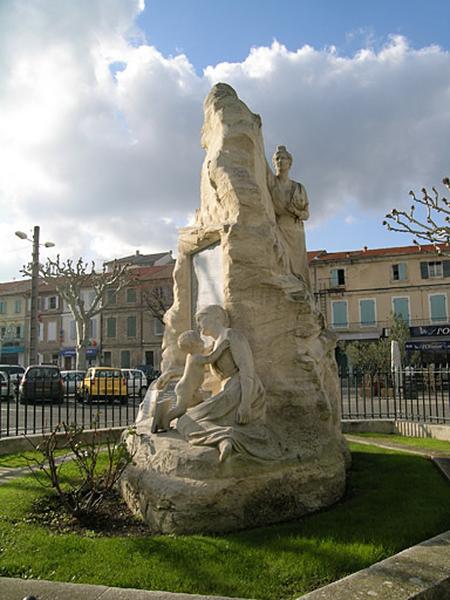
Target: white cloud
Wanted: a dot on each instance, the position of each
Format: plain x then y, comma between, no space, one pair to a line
107,160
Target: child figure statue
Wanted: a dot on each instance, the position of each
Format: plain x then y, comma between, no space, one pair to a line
187,390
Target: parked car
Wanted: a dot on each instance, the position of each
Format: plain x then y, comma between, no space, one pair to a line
14,374
103,383
136,382
41,382
72,381
150,372
6,389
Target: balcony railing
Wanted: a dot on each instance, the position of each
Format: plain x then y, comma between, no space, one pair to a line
328,284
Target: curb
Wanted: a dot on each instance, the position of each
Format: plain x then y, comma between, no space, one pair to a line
17,589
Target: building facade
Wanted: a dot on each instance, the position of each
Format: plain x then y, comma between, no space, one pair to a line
126,333
14,331
358,292
132,327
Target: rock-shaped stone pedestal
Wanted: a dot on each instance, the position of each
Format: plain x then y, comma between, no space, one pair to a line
286,454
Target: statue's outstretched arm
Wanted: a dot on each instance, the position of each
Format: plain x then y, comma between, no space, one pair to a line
215,354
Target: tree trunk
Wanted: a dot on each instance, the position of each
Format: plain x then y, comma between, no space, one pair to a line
82,339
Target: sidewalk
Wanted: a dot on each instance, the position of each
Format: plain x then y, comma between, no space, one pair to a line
17,589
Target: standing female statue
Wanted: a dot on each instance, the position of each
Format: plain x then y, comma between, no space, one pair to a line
291,207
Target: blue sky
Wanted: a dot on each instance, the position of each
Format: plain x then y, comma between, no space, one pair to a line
209,32
213,32
101,111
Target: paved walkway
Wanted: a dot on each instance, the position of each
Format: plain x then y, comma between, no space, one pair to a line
8,473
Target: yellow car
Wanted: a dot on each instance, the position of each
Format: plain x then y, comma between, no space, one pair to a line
103,383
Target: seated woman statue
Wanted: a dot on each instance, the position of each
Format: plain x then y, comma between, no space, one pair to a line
233,419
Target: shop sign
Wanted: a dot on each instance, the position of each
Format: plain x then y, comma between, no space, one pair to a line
441,345
435,330
90,352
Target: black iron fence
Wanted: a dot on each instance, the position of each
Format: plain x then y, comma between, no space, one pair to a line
110,398
409,394
38,401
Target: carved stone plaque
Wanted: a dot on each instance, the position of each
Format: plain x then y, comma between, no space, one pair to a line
207,278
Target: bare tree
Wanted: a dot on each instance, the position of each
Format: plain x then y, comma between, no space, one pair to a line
157,300
71,279
427,219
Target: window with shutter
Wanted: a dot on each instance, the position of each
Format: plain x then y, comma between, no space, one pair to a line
367,312
158,327
438,307
111,297
131,326
446,267
337,277
51,331
399,272
131,295
435,269
401,308
339,312
111,327
424,270
125,359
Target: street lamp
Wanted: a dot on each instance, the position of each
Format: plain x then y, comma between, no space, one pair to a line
34,288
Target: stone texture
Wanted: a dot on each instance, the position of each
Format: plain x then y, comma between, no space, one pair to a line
178,487
420,572
16,589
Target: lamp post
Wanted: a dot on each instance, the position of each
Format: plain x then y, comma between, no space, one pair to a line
34,288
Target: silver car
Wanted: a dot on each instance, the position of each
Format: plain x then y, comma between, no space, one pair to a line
71,381
7,388
136,382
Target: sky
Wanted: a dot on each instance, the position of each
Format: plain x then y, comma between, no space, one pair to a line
101,110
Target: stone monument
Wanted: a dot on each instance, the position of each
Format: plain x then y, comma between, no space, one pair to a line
243,426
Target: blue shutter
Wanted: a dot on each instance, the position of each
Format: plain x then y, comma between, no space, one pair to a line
446,267
367,308
340,314
401,308
401,271
334,277
424,270
438,307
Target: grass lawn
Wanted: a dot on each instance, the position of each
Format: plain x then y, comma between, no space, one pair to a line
394,500
422,443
